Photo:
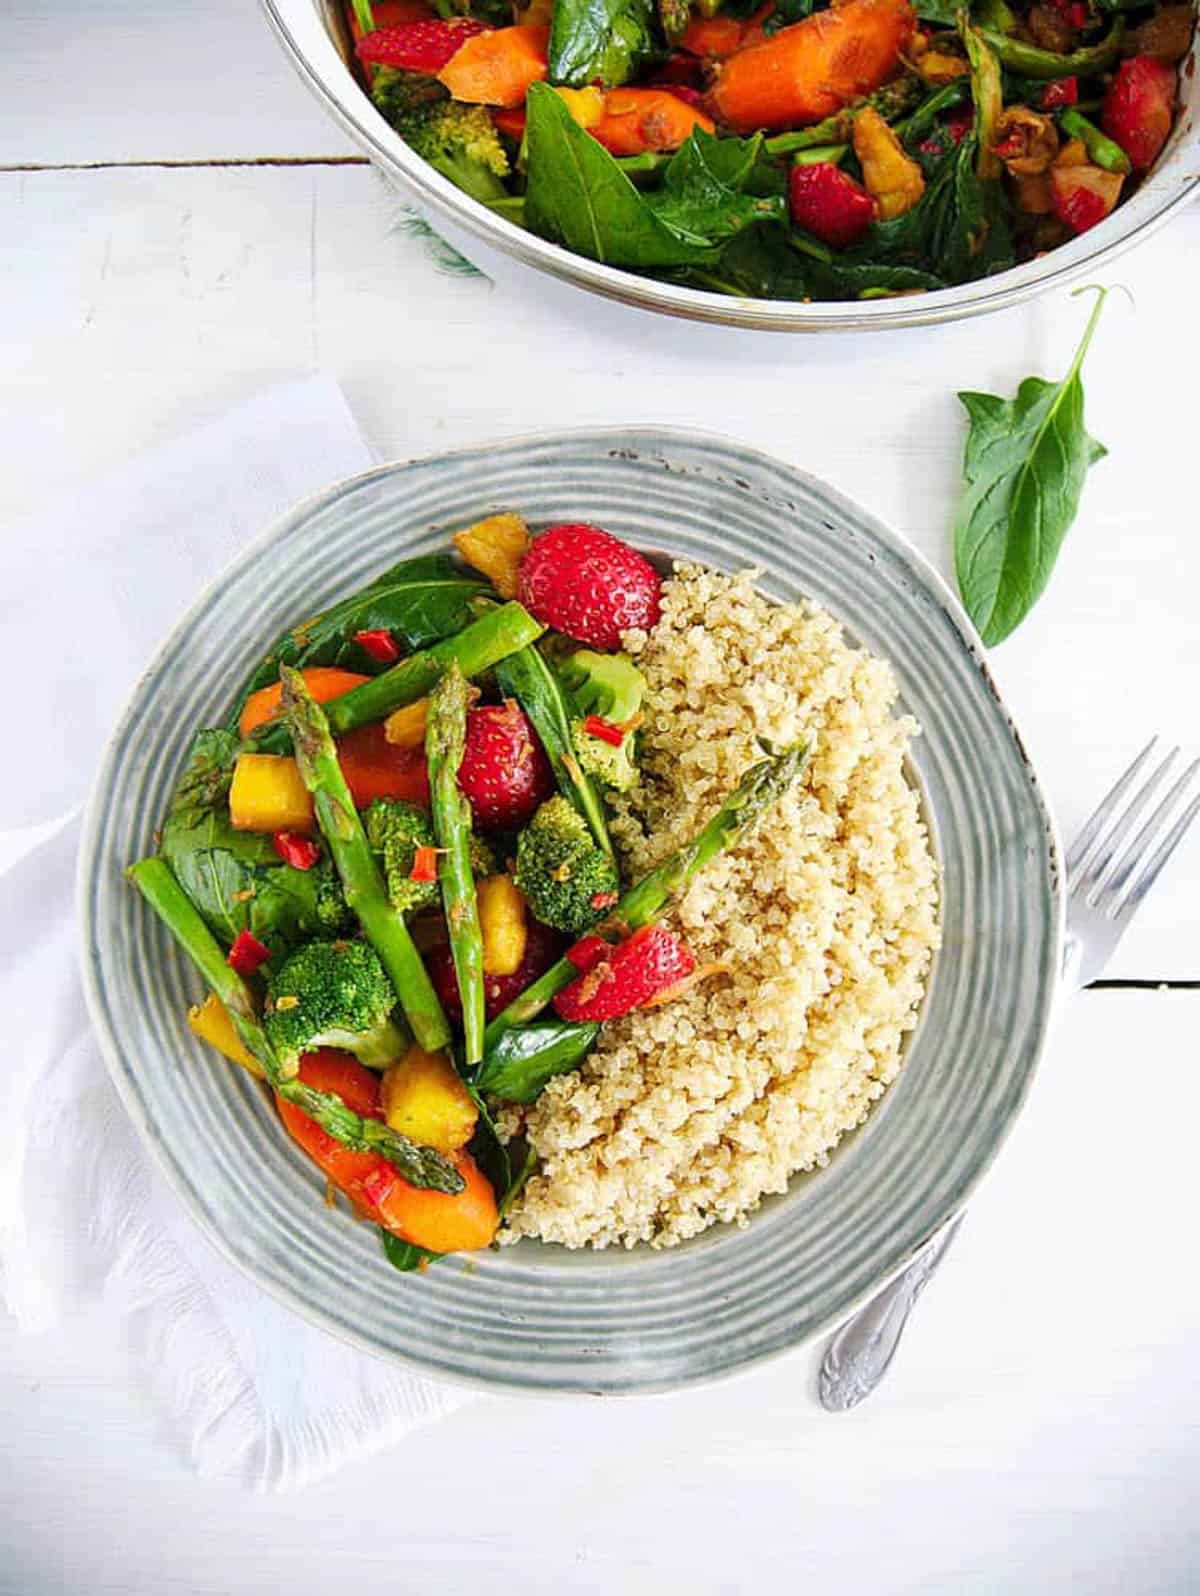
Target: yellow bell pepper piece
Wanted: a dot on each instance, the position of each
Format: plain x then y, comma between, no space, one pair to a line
424,1099
211,1023
267,794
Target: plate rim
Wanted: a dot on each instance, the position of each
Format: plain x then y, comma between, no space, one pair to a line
651,440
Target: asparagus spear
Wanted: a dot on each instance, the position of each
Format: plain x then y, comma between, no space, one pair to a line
366,894
476,648
420,1166
445,737
1033,62
758,789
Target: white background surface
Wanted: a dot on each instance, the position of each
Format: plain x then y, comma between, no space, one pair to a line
1041,1428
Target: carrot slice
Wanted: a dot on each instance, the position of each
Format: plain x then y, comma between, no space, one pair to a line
437,1221
638,120
497,68
812,69
331,1071
323,682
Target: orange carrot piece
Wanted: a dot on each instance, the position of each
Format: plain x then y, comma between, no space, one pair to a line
713,37
323,682
331,1071
497,68
812,69
637,120
437,1221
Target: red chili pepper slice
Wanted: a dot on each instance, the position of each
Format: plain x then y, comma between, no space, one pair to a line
424,864
1062,92
606,730
247,953
380,645
299,852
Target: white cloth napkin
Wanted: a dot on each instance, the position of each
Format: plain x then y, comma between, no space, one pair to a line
248,1391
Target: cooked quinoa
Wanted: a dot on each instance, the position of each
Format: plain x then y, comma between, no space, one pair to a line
824,923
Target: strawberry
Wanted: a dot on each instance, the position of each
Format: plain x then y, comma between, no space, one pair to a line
1060,92
541,950
1139,108
829,204
504,770
1083,195
418,46
589,584
636,971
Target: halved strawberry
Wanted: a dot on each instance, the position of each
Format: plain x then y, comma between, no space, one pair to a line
542,947
634,973
829,204
1139,108
504,770
418,46
589,585
1083,195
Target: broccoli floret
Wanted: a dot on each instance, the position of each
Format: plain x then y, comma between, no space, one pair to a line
403,96
459,141
565,878
611,764
395,830
608,685
333,994
612,687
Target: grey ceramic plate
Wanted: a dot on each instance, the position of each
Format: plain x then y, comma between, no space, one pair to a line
535,1317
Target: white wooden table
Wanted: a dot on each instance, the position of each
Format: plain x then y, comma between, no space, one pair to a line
179,226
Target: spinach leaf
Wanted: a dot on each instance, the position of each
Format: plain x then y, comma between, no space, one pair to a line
701,194
839,281
1024,468
403,1255
578,196
420,601
942,12
235,879
517,1066
606,41
528,677
488,1151
526,1162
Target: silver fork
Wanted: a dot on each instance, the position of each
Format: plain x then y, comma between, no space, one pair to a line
1110,869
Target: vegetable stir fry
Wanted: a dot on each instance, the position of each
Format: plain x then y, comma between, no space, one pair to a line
392,867
789,149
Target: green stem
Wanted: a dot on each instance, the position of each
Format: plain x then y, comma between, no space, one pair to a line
420,1166
364,15
445,739
821,153
833,130
366,894
761,786
1103,150
476,648
1045,65
926,114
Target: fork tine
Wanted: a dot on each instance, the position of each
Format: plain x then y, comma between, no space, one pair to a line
1102,814
1117,827
1138,882
1117,848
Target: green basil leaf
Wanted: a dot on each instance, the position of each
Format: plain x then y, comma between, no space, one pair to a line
403,1255
419,601
235,879
578,196
1024,468
606,41
518,1065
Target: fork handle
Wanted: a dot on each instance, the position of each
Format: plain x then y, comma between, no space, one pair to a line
858,1356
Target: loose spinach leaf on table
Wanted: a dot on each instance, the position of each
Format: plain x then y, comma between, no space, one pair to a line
518,1065
235,879
419,601
579,197
606,41
1024,468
